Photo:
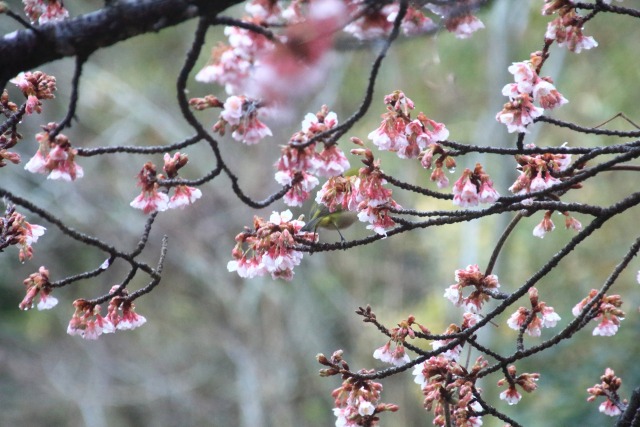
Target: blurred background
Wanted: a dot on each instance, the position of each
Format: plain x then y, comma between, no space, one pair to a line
221,351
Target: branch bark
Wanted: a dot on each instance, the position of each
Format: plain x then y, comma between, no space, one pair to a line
121,20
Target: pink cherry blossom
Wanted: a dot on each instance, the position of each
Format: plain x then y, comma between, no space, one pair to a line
524,76
87,321
474,187
414,22
609,408
547,95
511,396
268,247
464,26
545,226
609,315
397,357
37,284
330,162
151,201
569,36
374,23
56,158
183,196
519,113
471,277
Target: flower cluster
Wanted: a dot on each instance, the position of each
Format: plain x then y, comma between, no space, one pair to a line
474,187
11,136
43,11
448,385
606,311
442,159
121,312
55,157
398,133
183,195
15,230
540,316
152,199
482,286
241,114
537,171
528,88
35,87
38,284
87,322
230,64
300,162
374,200
398,356
457,17
566,29
269,247
357,401
528,382
374,23
608,388
284,64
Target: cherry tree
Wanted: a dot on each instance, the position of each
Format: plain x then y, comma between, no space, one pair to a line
269,57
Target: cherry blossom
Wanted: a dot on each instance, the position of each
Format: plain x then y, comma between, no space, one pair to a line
299,62
269,247
608,388
452,353
87,322
151,199
528,382
373,23
406,137
414,22
462,24
448,386
474,187
357,400
518,114
56,157
183,195
241,114
471,277
299,162
38,284
569,36
397,357
608,312
227,67
537,171
546,94
543,316
121,312
15,230
339,192
520,111
43,11
545,226
36,87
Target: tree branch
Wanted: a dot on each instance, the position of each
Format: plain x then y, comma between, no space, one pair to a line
125,19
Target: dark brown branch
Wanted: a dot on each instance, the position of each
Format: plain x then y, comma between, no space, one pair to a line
80,36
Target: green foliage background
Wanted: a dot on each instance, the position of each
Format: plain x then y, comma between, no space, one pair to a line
221,351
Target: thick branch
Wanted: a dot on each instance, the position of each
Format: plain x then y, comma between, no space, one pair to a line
27,49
